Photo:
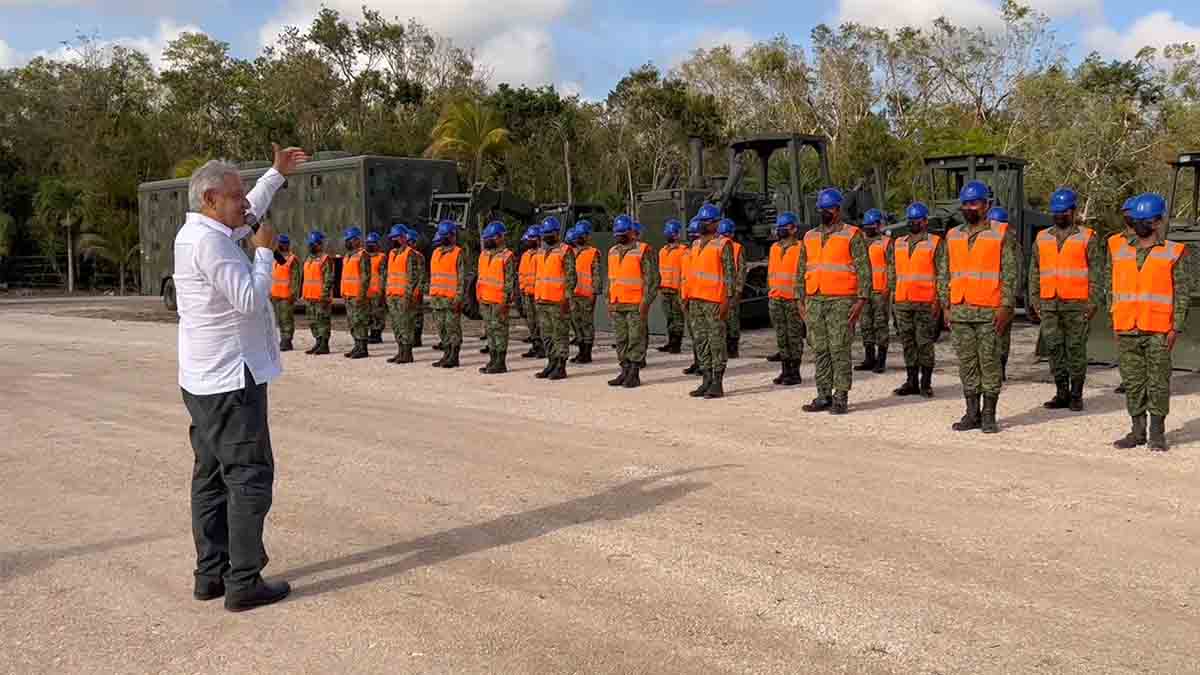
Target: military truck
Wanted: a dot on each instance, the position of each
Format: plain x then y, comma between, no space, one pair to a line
330,193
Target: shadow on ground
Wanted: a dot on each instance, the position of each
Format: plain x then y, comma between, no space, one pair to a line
20,563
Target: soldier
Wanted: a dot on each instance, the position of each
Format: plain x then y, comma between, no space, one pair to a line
318,292
376,307
356,277
996,216
631,289
1065,287
553,288
977,287
588,286
711,283
496,290
837,278
1114,242
670,266
912,270
876,312
784,297
447,290
286,276
649,253
693,236
405,270
727,230
527,273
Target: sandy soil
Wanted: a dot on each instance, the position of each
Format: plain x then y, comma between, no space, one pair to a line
445,522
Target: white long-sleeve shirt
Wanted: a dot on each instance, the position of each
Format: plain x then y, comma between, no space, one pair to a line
226,322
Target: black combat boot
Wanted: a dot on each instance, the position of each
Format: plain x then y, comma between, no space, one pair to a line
405,355
785,370
1062,396
501,363
620,378
1158,433
261,593
585,352
731,348
841,403
634,379
376,337
1136,435
442,361
970,420
910,386
776,357
399,354
880,359
322,346
716,387
703,388
452,357
560,370
1077,394
285,344
821,403
360,350
313,349
674,344
352,350
793,378
1120,389
988,422
533,350
551,364
491,363
417,340
927,382
693,369
868,362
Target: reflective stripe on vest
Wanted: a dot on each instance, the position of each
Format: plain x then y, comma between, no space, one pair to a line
1144,299
585,286
781,271
443,273
527,271
489,287
352,275
625,276
915,271
829,266
375,288
670,266
397,279
706,279
281,279
314,278
975,268
551,282
878,255
1063,273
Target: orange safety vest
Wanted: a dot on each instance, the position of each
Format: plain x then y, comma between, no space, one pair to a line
527,272
551,282
397,280
915,272
489,287
281,279
829,266
1144,299
585,286
1064,273
443,273
706,280
685,269
625,276
375,288
314,278
878,254
352,275
670,266
781,271
737,252
975,269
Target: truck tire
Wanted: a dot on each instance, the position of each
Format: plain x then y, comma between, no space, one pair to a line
168,295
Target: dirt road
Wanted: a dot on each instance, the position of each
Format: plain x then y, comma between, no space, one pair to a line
444,522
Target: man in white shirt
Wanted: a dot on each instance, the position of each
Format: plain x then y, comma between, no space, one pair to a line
228,352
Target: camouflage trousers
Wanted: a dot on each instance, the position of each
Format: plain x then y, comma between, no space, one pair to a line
873,324
404,321
672,308
733,323
285,316
1064,340
979,351
917,330
320,318
708,334
447,321
531,317
1146,371
629,329
555,330
830,337
495,326
358,318
377,310
583,319
789,328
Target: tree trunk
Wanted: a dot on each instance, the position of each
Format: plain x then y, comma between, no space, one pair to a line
629,176
121,275
567,163
70,263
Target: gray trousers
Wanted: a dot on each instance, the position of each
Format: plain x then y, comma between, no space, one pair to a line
232,481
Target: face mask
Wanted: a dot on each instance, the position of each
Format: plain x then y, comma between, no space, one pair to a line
709,229
1062,221
315,250
490,243
1143,228
916,227
550,241
871,231
972,216
626,237
827,217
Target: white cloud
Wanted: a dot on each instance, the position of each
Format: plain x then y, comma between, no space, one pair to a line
985,13
737,39
1156,29
151,45
8,56
521,55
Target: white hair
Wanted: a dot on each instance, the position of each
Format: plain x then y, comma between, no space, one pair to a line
211,176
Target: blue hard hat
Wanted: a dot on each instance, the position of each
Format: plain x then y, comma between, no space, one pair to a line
998,214
872,217
1062,200
444,230
284,239
829,198
315,237
708,212
532,233
672,228
694,228
785,220
572,235
494,229
637,227
397,231
726,227
916,211
584,227
413,234
1128,205
622,224
352,233
975,191
1149,206
372,237
551,226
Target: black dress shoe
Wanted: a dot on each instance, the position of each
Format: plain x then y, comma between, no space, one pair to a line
258,595
208,588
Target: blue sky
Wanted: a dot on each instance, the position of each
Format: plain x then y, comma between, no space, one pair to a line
579,45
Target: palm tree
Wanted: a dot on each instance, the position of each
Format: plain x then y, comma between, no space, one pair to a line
469,132
59,204
114,239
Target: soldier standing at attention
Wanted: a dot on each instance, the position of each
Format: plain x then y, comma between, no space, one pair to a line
1149,308
711,282
376,307
318,292
285,288
912,270
496,290
837,279
784,297
553,288
1114,242
998,215
631,289
527,275
670,267
876,312
405,269
588,285
356,277
977,288
727,230
1065,287
693,232
447,290
648,252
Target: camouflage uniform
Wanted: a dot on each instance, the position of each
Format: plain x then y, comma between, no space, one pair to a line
495,317
583,310
555,326
629,325
785,316
320,314
915,323
529,305
285,310
377,306
875,314
829,332
708,330
358,317
404,311
733,323
447,312
1066,323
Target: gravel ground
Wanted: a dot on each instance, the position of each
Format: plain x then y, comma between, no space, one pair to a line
445,522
